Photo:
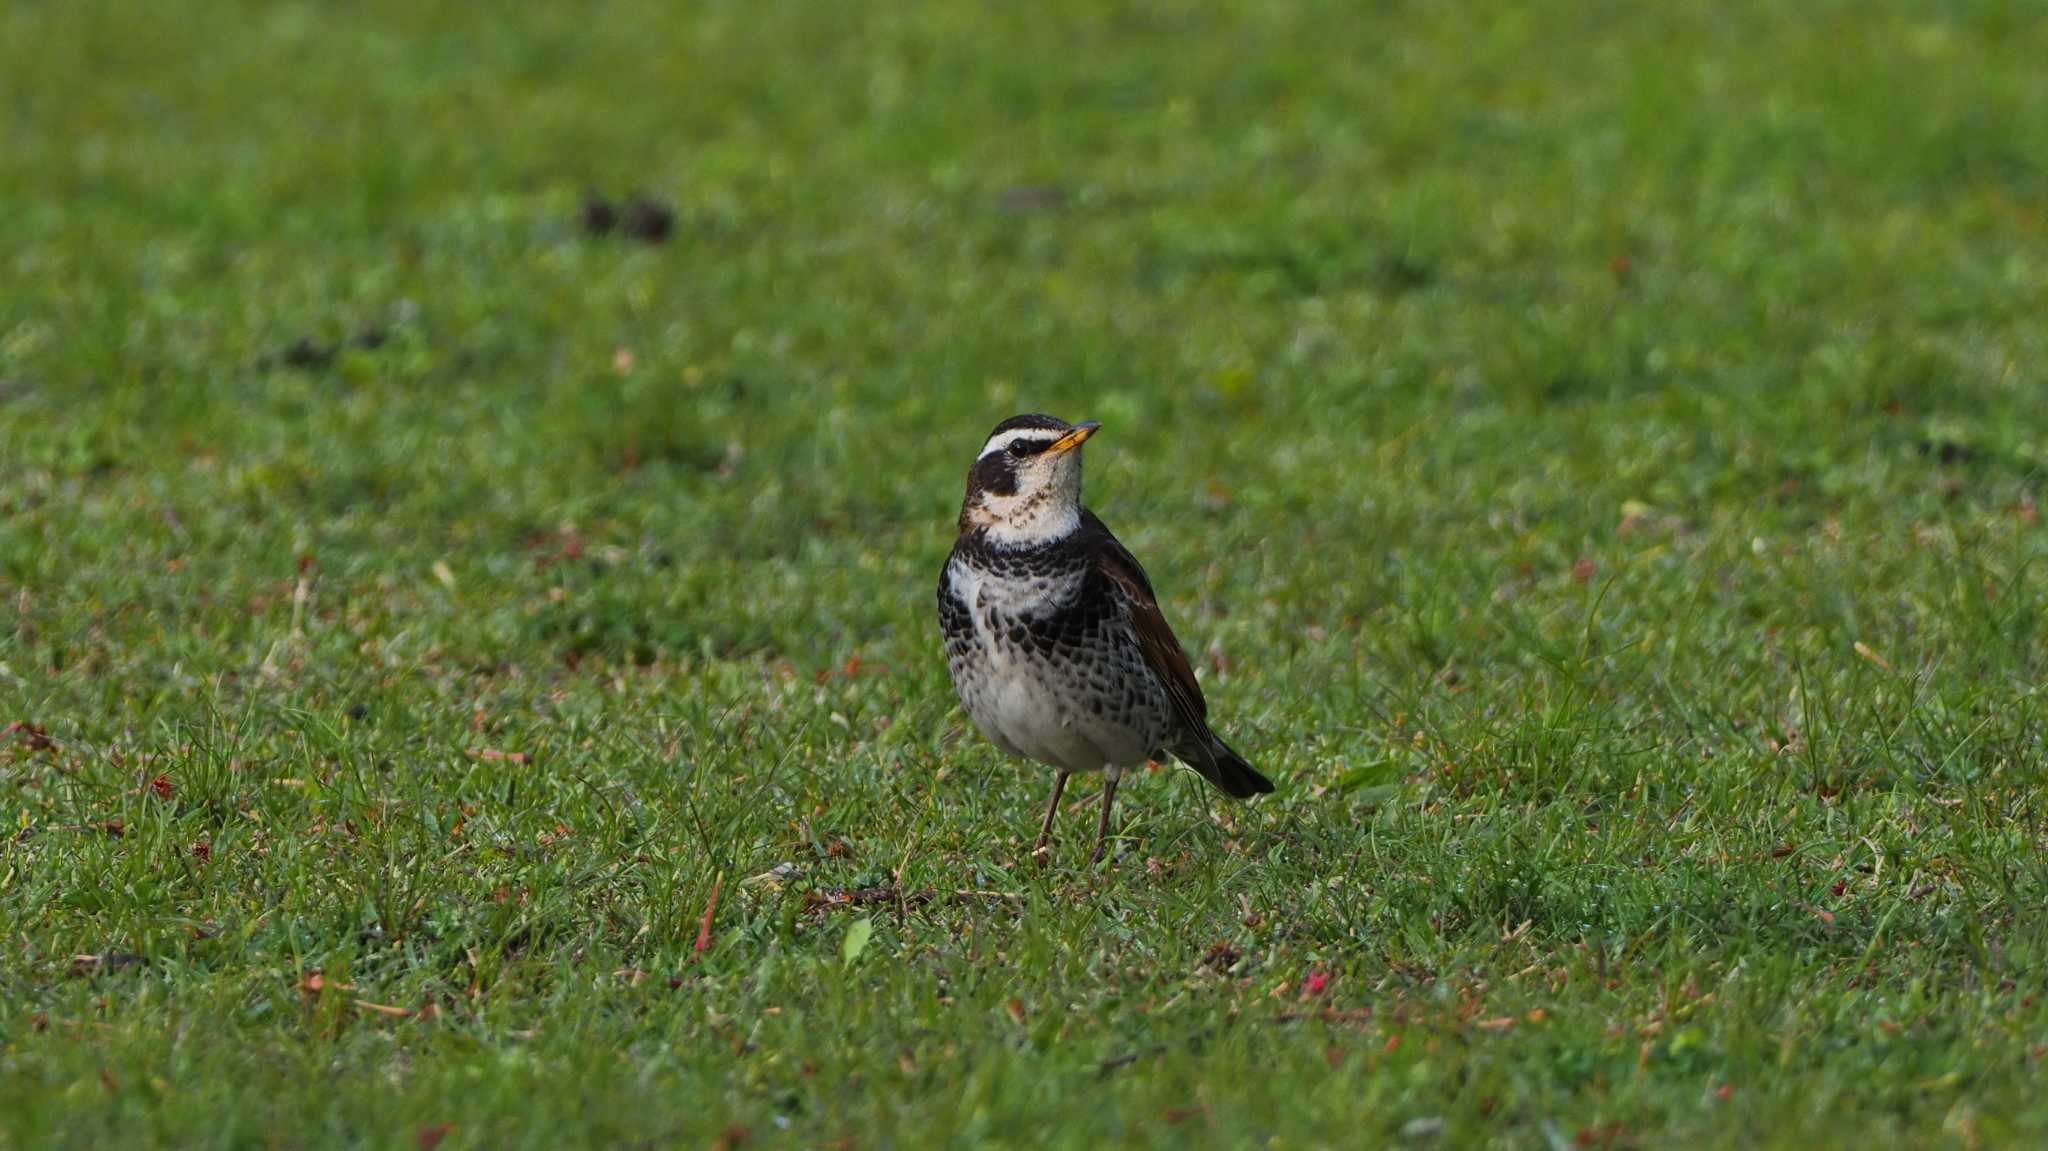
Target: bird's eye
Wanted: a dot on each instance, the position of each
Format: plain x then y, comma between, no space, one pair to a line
1021,448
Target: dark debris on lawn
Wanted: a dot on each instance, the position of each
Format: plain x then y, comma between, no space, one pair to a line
308,354
643,218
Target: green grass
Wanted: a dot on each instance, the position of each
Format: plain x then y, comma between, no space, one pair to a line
1598,449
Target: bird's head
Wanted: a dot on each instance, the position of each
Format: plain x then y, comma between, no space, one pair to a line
1025,486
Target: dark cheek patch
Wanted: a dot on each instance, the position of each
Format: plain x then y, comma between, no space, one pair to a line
995,475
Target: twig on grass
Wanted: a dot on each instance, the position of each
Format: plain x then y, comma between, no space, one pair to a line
704,925
868,896
1109,1065
1125,1060
1326,1015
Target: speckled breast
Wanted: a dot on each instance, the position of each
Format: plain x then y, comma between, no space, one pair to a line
1041,651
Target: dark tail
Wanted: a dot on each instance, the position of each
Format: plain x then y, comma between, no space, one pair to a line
1223,767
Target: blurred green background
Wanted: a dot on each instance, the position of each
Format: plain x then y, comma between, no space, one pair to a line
1593,450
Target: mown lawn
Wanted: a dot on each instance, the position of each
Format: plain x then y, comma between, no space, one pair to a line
1594,451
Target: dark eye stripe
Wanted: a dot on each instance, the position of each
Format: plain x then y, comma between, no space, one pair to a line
1028,447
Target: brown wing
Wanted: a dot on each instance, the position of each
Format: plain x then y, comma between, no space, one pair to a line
1156,640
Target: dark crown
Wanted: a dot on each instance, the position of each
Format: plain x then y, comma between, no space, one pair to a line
1031,420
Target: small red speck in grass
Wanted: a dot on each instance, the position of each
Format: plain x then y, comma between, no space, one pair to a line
1838,888
1583,570
161,786
430,1137
202,851
704,925
1393,1041
735,1136
1724,1093
1822,914
1316,983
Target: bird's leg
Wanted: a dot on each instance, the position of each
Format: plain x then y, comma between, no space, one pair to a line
1052,808
1109,778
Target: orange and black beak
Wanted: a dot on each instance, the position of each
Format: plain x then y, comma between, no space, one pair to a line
1074,438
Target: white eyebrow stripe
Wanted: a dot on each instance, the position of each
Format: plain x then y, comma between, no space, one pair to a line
1003,440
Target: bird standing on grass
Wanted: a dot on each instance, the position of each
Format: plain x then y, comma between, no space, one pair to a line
1054,638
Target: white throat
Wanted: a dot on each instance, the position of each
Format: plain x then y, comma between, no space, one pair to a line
1040,522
